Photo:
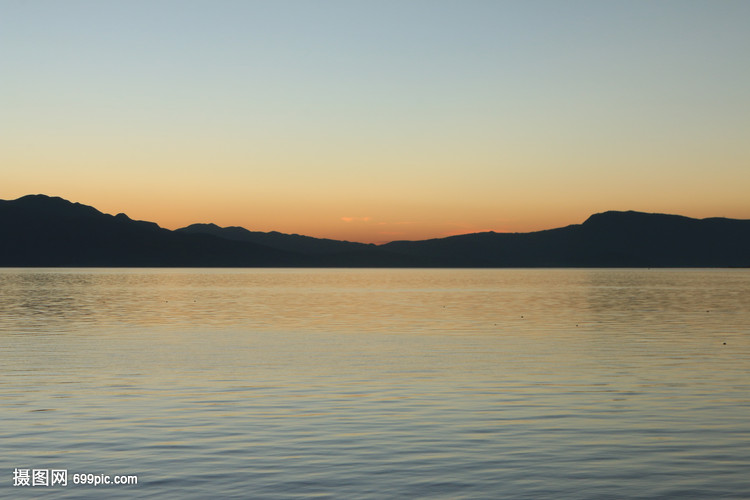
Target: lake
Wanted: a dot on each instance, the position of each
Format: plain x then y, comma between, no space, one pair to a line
376,383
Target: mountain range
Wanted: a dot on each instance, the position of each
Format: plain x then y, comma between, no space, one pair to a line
44,231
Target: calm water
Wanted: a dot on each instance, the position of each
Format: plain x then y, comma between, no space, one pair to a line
378,383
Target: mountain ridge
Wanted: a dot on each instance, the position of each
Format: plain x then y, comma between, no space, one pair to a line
46,231
291,242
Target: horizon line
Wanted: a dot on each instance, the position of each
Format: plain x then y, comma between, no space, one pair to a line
375,243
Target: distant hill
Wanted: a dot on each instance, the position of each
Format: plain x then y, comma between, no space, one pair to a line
610,239
281,241
39,230
43,231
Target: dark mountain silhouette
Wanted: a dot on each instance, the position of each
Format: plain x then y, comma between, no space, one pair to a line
281,241
610,239
39,230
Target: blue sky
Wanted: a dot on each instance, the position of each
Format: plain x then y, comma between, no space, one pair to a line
378,120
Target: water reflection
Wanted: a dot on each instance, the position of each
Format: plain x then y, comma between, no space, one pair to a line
380,383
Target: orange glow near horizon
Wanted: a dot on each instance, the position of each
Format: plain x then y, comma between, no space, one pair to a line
324,221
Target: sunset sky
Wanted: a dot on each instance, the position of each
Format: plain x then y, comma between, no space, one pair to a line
378,120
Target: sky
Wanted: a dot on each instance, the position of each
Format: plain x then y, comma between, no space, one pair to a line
378,120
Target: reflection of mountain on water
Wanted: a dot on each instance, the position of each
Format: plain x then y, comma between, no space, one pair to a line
41,231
